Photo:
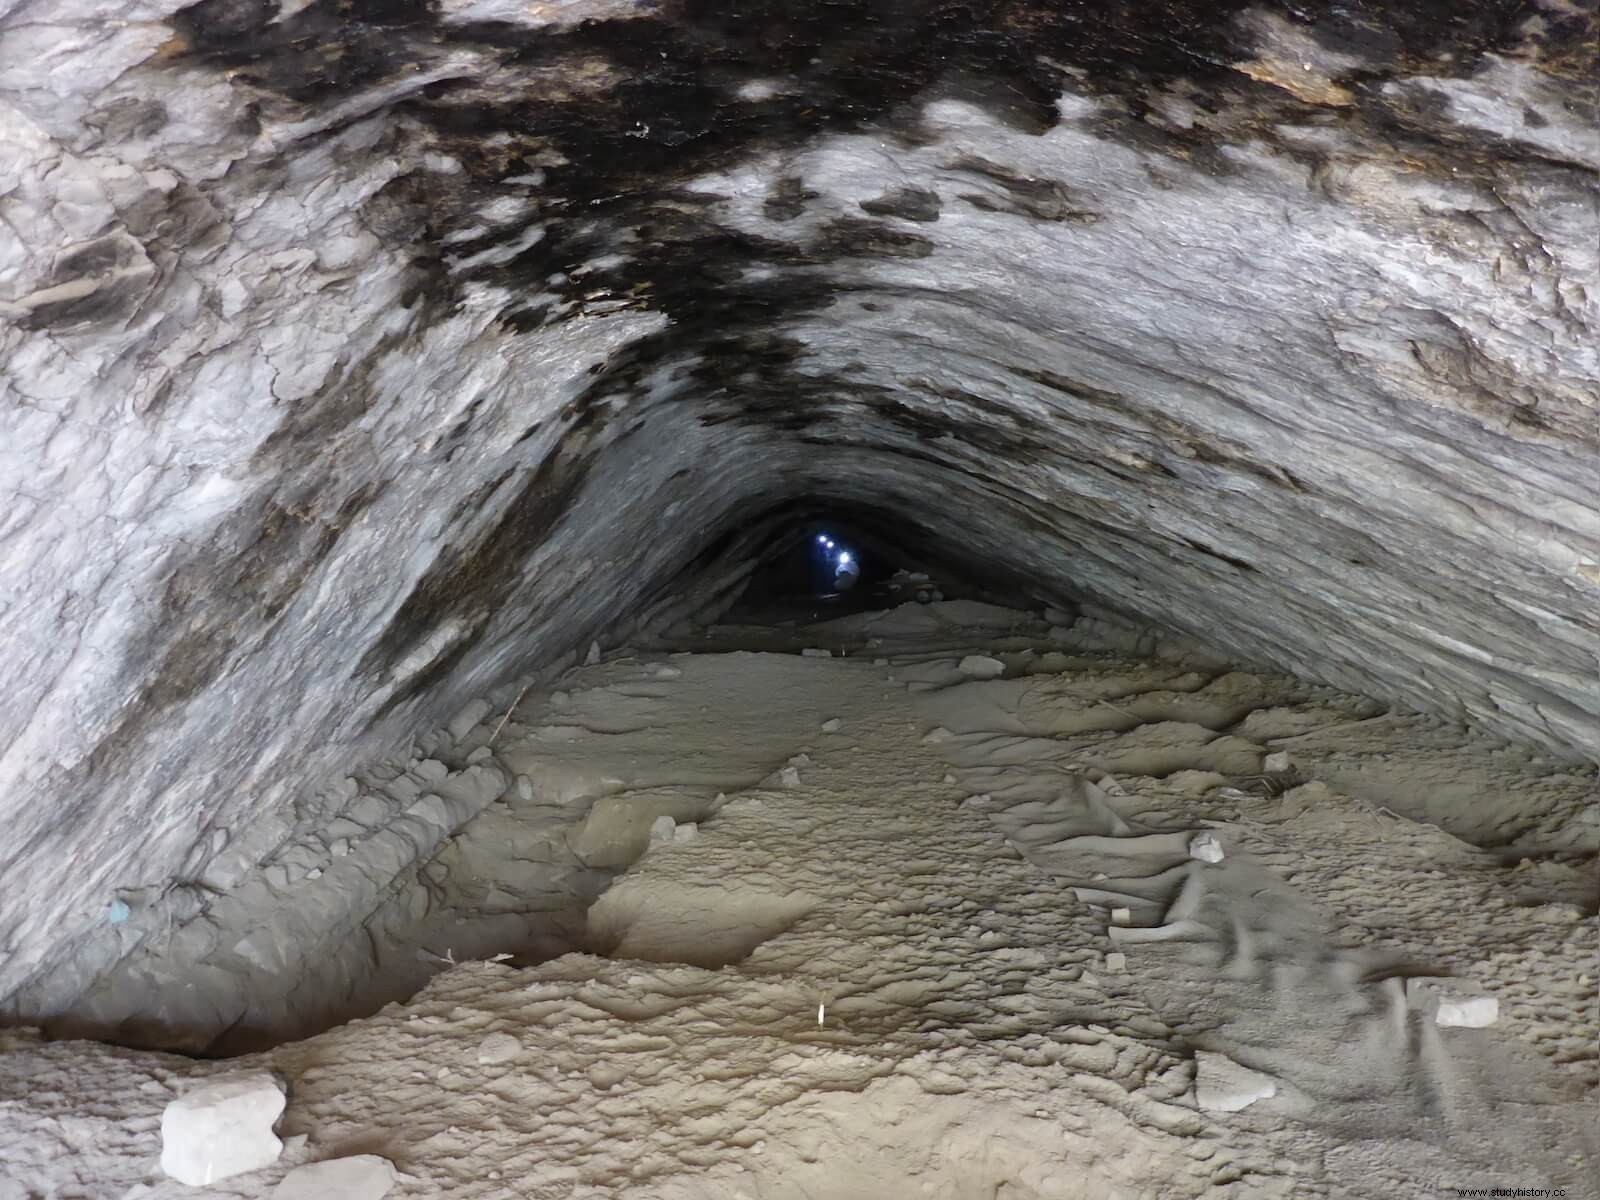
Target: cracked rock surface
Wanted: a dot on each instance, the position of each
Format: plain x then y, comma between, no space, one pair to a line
895,977
357,357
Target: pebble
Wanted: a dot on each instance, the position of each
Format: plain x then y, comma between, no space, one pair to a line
222,1129
1467,1012
359,1177
663,829
1116,962
1222,1085
981,666
813,652
500,1048
1121,916
831,725
592,659
682,833
1206,847
1276,763
789,777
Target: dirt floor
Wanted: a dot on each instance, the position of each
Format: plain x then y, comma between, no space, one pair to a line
951,904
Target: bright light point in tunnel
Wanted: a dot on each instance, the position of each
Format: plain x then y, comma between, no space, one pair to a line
844,557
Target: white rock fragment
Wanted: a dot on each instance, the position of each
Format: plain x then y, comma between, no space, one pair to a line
1467,1012
685,831
1222,1085
1206,847
981,666
1116,962
481,754
340,847
813,652
314,873
662,829
831,725
937,734
1276,763
1121,916
789,777
498,1048
524,788
359,1177
592,659
222,1129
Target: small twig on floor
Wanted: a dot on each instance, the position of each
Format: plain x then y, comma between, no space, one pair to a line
509,711
1337,727
1123,711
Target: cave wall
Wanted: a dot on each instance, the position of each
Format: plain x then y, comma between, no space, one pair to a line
357,355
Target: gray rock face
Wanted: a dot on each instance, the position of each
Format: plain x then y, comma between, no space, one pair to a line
350,364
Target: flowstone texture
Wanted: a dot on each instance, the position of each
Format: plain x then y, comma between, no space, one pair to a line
357,357
890,980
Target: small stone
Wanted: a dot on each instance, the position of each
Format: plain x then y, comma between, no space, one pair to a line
340,847
1276,763
662,829
1222,1085
1467,1012
524,788
481,754
560,699
813,652
592,659
498,1048
949,778
937,734
880,662
314,873
1116,962
432,770
1206,847
685,831
800,760
831,725
981,666
359,1177
789,777
666,672
1121,916
117,912
467,719
222,1129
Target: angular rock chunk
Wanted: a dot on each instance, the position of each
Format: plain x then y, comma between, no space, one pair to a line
222,1129
359,1177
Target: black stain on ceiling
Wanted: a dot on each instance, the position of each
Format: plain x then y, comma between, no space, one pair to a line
597,127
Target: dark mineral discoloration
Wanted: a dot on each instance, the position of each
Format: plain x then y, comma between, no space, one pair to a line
908,203
470,581
598,125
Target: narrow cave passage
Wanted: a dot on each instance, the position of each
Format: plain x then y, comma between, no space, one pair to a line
672,599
